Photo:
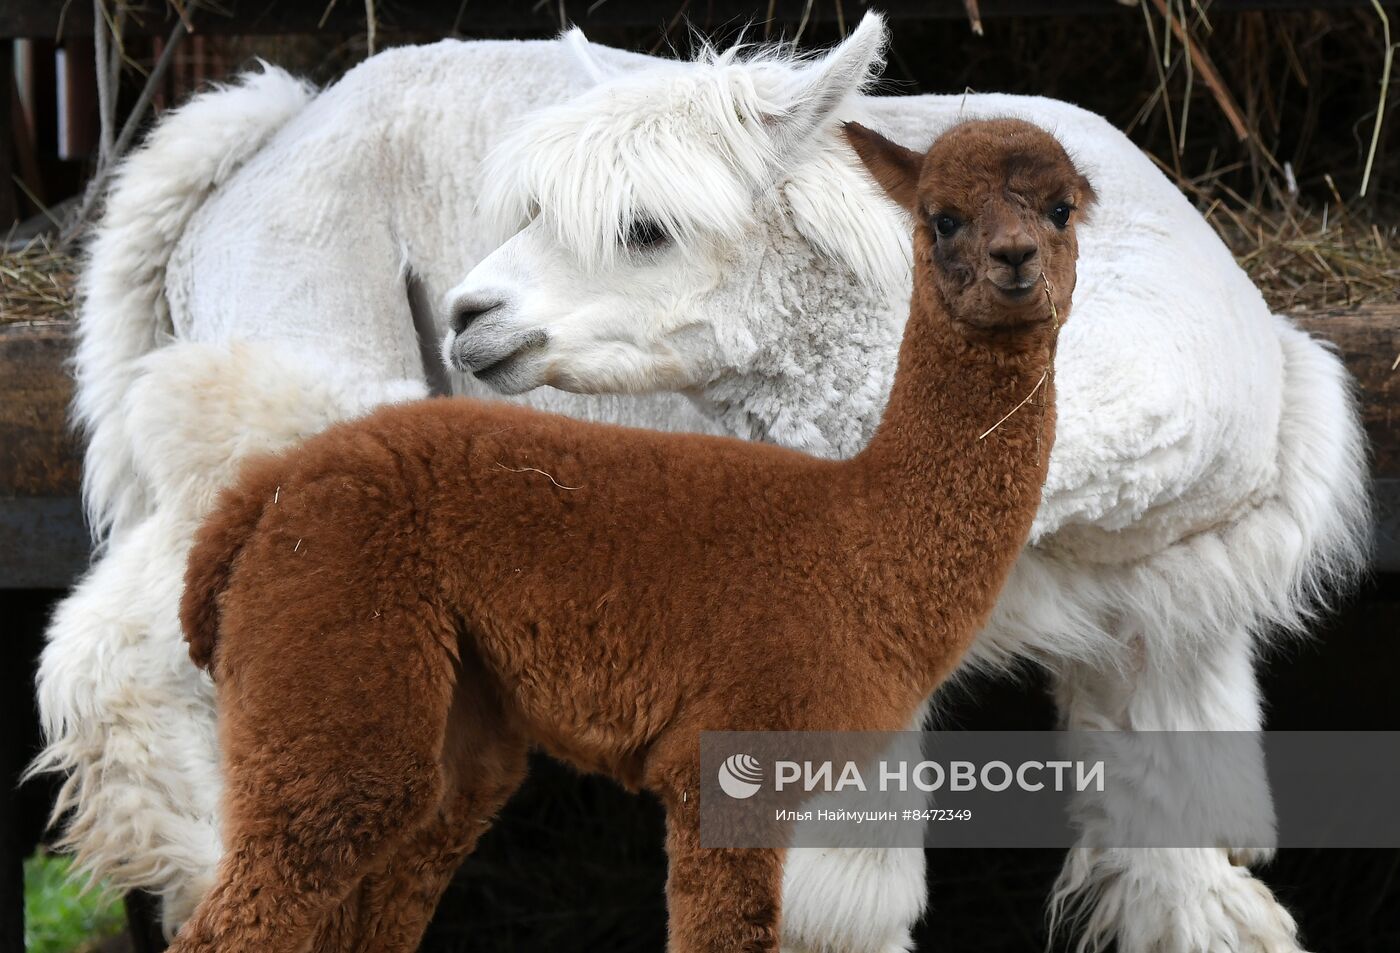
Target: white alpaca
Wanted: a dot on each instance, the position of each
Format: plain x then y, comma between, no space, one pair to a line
1207,474
1206,484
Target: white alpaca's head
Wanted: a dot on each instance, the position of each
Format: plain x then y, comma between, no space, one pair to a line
652,211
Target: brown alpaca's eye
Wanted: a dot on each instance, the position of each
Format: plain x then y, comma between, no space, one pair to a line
1059,215
644,234
945,225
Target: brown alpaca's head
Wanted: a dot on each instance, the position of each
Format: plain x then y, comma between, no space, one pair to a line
995,203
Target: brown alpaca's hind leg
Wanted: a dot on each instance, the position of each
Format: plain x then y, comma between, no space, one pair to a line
329,764
485,762
718,900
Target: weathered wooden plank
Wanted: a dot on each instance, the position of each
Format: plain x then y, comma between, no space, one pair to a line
1386,496
44,18
1369,341
38,456
43,541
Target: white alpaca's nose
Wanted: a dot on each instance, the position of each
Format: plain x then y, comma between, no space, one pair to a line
469,308
487,340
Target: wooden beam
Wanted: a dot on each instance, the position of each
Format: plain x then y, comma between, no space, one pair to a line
44,18
38,455
45,542
1369,341
1385,495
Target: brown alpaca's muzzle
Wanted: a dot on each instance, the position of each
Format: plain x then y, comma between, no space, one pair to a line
1013,261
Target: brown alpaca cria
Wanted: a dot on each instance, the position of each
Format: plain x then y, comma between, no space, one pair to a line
398,610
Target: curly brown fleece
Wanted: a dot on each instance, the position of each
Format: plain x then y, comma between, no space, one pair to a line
399,609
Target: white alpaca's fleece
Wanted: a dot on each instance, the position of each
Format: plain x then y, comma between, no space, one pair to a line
1207,483
122,291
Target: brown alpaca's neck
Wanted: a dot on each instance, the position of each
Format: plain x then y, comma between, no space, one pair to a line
955,501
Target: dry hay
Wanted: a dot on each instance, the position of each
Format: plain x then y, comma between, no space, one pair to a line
36,284
1313,261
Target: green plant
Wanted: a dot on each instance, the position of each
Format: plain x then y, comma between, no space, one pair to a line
62,915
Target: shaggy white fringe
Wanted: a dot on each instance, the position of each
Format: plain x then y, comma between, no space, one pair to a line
1170,900
647,157
123,313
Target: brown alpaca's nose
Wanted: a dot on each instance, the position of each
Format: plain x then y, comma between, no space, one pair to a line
1014,252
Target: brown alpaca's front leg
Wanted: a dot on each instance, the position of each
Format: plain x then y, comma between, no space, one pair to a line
718,900
485,762
392,906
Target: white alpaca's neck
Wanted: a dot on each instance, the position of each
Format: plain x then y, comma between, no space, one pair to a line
820,376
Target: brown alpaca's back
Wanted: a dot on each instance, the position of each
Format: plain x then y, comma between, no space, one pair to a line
592,565
401,608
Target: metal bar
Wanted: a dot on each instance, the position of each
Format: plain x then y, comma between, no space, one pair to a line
43,542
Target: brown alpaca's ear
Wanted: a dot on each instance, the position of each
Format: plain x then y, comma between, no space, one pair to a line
1087,196
893,166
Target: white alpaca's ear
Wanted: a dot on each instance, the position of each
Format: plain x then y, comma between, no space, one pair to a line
577,44
820,88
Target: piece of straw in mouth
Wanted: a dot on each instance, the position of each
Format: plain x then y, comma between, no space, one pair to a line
1055,316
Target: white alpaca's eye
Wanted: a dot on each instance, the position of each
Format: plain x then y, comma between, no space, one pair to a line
945,225
644,234
1059,215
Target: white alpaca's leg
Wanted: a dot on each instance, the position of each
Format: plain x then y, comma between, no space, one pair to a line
1173,899
852,899
858,899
